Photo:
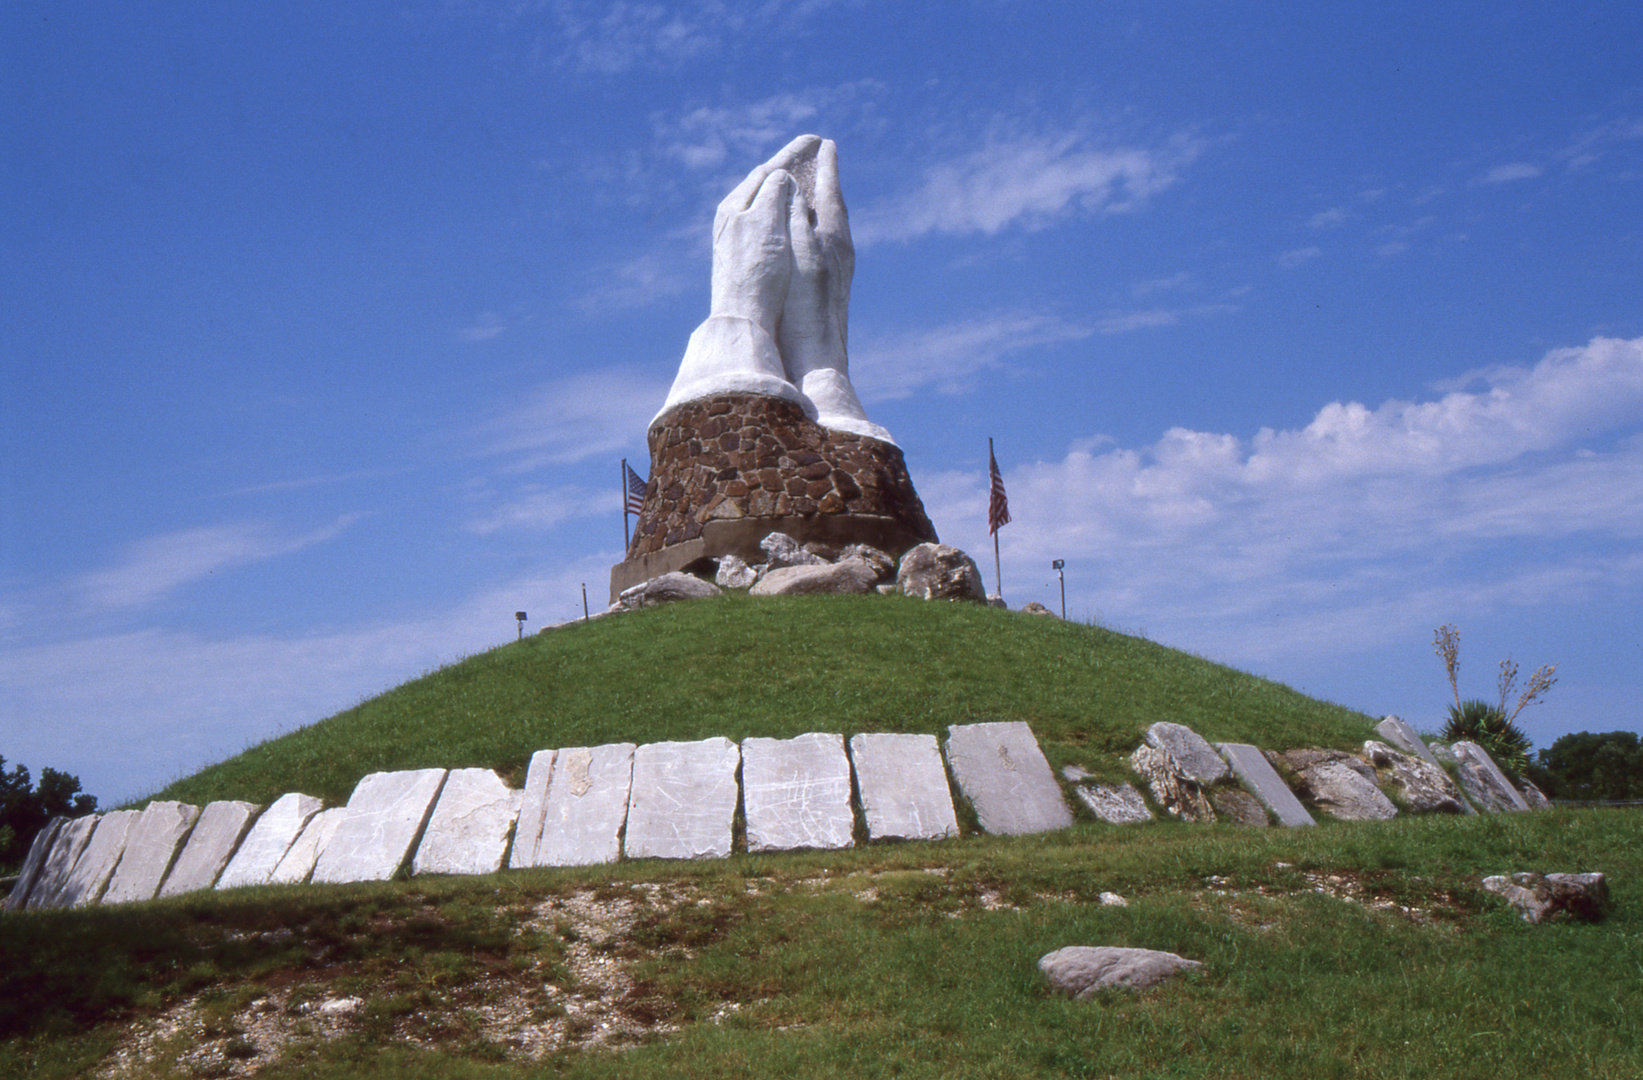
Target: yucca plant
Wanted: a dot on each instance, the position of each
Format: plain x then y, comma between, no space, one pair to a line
1488,726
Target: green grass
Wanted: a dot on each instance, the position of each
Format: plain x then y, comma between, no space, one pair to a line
777,667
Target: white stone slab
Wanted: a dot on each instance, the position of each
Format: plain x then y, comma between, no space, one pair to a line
1498,793
213,841
468,832
1196,757
683,800
18,898
587,804
298,861
150,849
65,851
1397,732
904,790
386,813
269,839
1261,780
1001,770
95,866
527,831
1116,804
796,793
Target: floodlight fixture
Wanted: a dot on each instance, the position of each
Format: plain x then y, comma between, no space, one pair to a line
1060,567
520,616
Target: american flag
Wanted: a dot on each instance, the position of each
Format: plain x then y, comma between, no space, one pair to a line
634,493
998,507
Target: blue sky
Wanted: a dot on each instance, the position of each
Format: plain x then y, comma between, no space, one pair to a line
324,329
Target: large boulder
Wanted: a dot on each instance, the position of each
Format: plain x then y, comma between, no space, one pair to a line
1426,788
849,576
1340,785
1172,787
734,573
1082,971
1578,896
665,590
882,563
940,572
1190,750
782,550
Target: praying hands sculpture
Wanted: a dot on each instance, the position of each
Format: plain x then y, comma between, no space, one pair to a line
782,263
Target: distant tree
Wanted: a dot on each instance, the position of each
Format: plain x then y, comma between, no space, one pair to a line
25,808
1591,766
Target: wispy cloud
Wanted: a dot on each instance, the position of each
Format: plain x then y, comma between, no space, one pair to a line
948,358
1030,182
611,38
1298,256
741,134
582,416
152,569
535,509
487,326
1504,174
1332,218
1592,144
636,283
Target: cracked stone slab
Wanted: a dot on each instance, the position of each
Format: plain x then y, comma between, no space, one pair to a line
796,793
904,790
17,899
216,835
385,815
1001,770
58,867
1425,787
1484,781
1193,755
150,849
95,866
587,805
683,801
468,832
269,839
1261,780
527,830
1116,804
298,861
1397,731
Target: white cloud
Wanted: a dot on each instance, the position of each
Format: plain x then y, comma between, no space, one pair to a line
487,326
1517,170
538,510
743,134
577,417
1332,218
949,357
1030,181
153,568
1298,256
615,37
636,283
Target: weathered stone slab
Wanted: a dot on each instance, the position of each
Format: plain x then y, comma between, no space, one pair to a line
1192,753
65,851
904,791
1484,781
1001,770
298,861
95,866
796,793
216,835
1424,786
18,898
1398,732
150,848
1179,794
1341,791
587,805
684,797
1082,971
1584,897
269,839
1533,797
468,832
1116,804
386,813
527,830
1261,780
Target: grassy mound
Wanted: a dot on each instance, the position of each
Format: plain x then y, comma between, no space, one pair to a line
778,667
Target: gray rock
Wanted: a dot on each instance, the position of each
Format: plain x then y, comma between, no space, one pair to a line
17,899
1195,756
1239,807
211,843
1533,796
822,550
1443,754
1001,770
269,839
95,866
782,550
150,849
1341,791
468,831
298,861
1423,785
587,805
1075,774
733,573
1261,780
666,589
903,784
939,572
58,867
386,814
881,562
683,800
533,810
994,600
1033,607
1539,898
1405,738
852,577
1116,804
1484,782
796,793
1083,971
1305,759
1179,794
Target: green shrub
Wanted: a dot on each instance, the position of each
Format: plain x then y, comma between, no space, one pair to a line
1487,725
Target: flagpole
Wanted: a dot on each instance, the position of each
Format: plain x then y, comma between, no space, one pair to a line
626,540
998,574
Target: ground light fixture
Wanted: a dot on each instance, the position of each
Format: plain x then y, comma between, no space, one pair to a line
1060,566
520,617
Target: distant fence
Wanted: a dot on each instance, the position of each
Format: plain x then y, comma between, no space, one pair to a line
1597,802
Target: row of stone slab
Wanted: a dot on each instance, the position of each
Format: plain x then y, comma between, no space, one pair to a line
1193,780
579,806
